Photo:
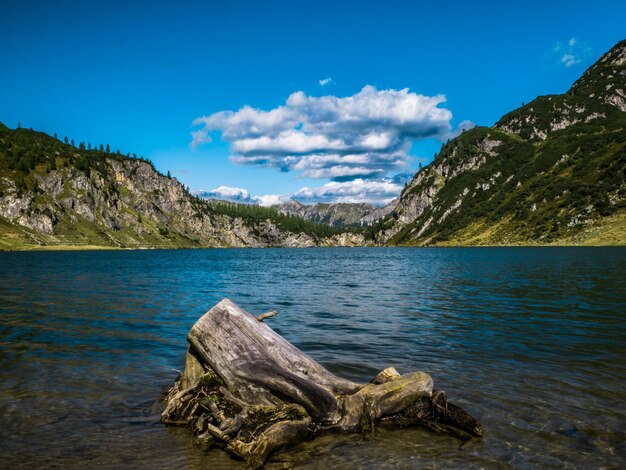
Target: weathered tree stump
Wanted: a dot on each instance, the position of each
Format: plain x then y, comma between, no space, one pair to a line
252,392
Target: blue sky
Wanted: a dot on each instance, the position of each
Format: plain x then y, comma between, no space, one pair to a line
136,75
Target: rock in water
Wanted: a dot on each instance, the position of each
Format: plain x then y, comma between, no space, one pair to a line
248,389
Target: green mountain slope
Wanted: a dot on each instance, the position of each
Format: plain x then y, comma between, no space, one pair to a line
552,171
54,194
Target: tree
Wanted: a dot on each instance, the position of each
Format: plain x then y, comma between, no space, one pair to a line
55,136
168,174
72,142
101,148
108,149
89,146
81,146
19,125
65,140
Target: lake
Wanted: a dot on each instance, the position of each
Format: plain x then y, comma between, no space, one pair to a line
531,341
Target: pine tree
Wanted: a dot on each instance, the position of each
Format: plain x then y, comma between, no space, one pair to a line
108,149
101,148
72,142
65,140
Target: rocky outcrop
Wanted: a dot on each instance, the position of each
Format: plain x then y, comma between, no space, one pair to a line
128,204
605,81
542,172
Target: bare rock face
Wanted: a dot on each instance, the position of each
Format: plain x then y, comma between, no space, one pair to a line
130,204
345,239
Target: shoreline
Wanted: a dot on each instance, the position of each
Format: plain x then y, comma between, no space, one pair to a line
53,248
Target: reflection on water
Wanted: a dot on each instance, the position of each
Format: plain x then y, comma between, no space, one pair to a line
529,340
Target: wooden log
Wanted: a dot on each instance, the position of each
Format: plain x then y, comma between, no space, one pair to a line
252,390
260,364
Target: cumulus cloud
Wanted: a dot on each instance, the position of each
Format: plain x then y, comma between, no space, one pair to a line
325,81
571,52
365,135
227,193
378,192
272,199
239,195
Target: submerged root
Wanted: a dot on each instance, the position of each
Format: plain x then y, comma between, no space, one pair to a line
436,413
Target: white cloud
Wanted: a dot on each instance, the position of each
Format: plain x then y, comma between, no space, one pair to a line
571,52
227,193
199,138
568,60
272,199
325,81
364,135
378,192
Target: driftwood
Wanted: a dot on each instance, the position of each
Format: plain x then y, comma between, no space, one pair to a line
250,391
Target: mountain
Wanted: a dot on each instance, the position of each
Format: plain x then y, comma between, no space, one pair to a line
54,194
379,213
337,214
551,171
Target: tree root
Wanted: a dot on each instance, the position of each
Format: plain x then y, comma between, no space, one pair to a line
258,394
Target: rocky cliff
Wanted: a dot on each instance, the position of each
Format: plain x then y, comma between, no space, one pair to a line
552,171
55,194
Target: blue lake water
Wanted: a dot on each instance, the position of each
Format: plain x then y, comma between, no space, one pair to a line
531,341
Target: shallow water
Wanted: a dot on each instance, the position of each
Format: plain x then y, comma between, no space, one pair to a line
531,341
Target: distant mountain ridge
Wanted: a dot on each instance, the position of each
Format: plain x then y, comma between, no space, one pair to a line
552,171
335,214
338,214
